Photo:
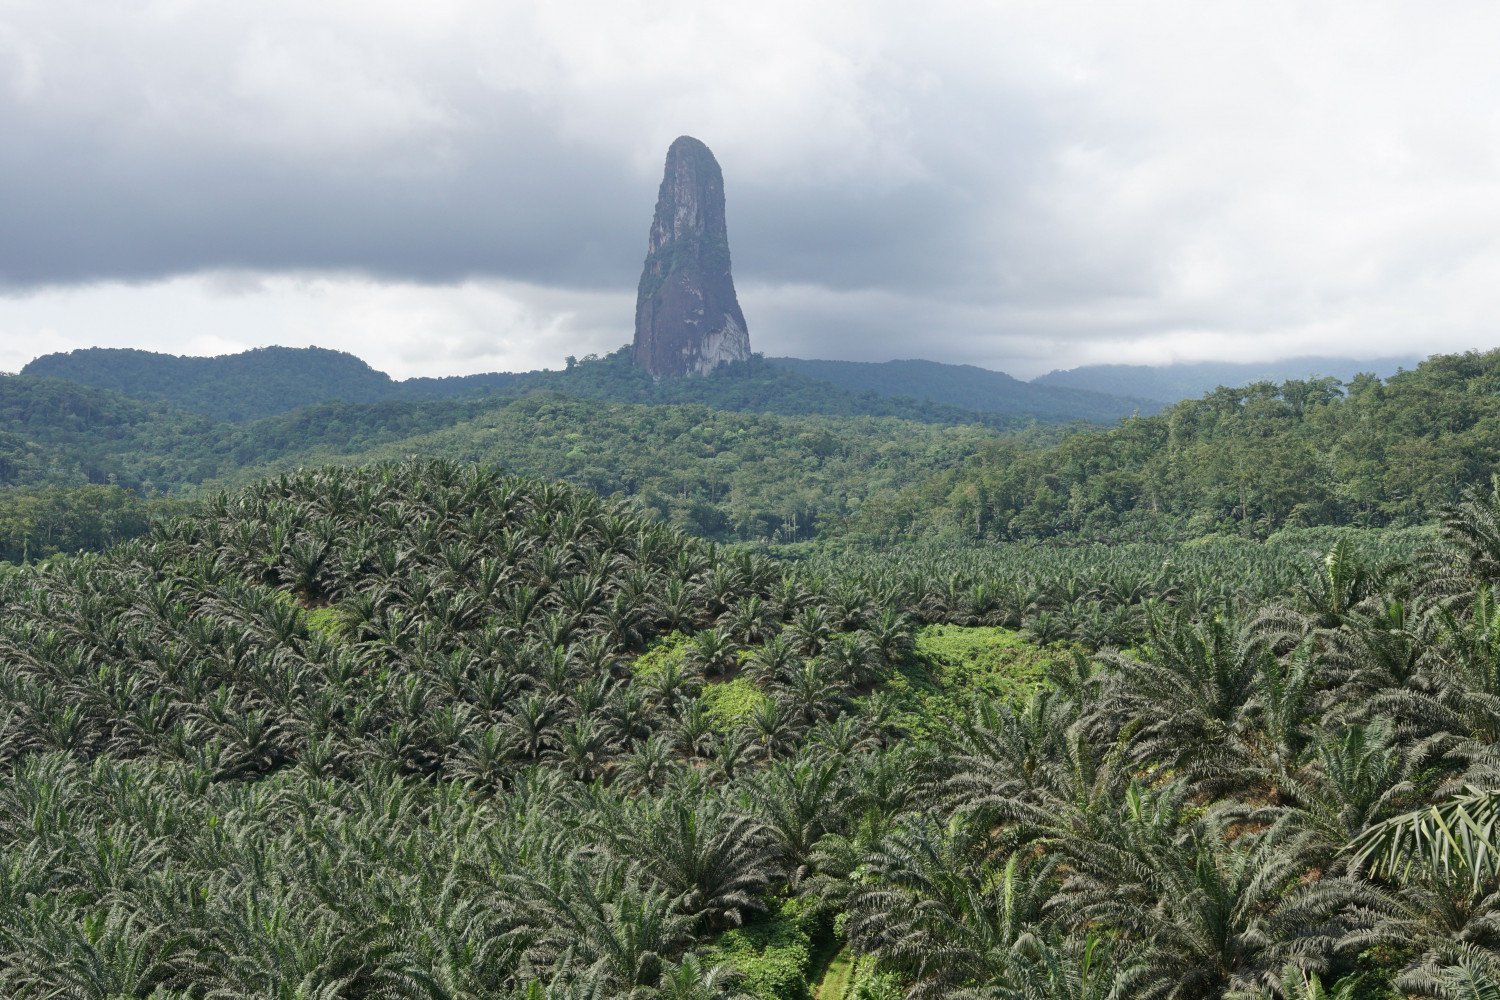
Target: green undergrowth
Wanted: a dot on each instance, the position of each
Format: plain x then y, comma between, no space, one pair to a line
326,621
856,977
772,952
842,974
870,984
953,664
669,650
950,666
732,702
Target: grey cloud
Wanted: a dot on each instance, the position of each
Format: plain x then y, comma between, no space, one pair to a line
1016,186
113,181
525,206
517,201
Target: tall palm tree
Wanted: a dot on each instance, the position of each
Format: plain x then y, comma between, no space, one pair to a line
799,802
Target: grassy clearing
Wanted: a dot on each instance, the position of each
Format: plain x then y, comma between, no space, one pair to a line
953,664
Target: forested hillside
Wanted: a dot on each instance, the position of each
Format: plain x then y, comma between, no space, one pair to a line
1252,460
82,467
1255,459
724,476
1238,460
427,731
243,386
54,432
275,380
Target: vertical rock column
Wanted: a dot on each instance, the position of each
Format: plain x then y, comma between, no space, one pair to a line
687,318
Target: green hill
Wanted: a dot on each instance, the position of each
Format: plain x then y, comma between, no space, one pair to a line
1248,460
974,388
273,380
233,387
58,432
720,473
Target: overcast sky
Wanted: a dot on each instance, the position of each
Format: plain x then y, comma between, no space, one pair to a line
454,186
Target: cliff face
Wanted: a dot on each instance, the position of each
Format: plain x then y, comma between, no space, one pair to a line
687,318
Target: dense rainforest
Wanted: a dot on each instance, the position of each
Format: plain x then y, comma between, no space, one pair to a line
1249,460
723,474
708,456
428,730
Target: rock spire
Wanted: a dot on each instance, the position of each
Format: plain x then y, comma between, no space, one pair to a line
687,318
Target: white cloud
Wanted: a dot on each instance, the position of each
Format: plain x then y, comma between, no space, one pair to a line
403,328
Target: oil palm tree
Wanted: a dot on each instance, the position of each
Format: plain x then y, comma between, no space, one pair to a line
942,911
1458,837
719,863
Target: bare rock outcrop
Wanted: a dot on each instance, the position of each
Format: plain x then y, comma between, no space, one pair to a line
687,318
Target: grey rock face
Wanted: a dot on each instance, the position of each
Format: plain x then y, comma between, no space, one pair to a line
687,318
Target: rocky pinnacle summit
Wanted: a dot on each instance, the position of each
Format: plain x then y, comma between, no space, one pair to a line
687,318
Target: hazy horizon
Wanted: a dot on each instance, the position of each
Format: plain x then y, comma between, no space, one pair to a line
1380,360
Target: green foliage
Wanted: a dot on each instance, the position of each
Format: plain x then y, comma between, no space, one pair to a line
754,452
37,522
720,475
772,953
1246,461
955,664
326,621
732,702
669,651
838,977
389,731
58,433
853,977
873,985
1458,837
256,383
766,476
992,662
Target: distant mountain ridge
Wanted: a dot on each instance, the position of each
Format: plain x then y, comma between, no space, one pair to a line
972,388
253,384
274,380
269,381
1189,380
